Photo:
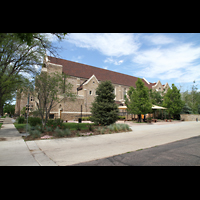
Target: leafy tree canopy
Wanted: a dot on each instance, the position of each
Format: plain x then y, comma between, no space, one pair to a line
139,101
172,101
19,61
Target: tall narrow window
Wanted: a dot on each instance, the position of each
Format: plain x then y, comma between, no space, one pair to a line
64,84
124,92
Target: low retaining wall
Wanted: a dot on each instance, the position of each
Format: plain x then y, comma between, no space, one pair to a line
190,117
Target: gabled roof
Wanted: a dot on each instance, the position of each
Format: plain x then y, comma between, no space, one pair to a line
86,71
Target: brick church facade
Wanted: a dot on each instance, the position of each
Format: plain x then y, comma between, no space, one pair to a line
85,79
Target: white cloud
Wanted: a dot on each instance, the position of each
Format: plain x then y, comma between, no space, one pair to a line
168,63
114,61
159,39
109,44
159,56
191,73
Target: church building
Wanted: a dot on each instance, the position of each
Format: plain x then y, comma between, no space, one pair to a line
85,79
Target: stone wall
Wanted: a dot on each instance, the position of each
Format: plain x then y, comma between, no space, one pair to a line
190,117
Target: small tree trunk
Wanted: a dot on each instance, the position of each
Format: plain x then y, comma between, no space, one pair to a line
139,118
1,110
1,106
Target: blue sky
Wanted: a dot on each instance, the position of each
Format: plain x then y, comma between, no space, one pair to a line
168,57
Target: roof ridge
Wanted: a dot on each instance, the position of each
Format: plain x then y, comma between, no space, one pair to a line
86,71
95,67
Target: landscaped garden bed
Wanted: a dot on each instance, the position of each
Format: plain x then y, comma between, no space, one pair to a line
57,129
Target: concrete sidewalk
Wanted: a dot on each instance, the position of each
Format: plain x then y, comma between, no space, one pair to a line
13,149
8,131
69,151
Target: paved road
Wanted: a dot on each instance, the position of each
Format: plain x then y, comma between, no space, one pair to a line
181,153
82,149
70,151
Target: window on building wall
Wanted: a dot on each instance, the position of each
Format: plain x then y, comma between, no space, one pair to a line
90,92
114,91
124,92
32,99
64,85
51,116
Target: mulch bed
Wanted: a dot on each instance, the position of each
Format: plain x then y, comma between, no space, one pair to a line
74,133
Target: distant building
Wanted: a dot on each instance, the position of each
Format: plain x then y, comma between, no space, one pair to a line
85,79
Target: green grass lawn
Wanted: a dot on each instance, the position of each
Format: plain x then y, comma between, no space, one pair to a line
71,126
19,126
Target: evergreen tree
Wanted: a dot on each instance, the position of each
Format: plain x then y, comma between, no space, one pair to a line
192,98
172,101
140,102
104,109
186,109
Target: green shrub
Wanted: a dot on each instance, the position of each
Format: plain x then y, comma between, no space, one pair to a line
67,132
48,129
118,127
111,127
91,128
39,128
59,132
21,120
86,118
99,129
102,130
35,133
121,117
62,133
54,123
33,121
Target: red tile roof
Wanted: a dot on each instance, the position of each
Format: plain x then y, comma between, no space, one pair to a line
86,71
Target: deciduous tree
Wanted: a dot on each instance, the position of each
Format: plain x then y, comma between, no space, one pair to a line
49,90
19,60
139,101
172,101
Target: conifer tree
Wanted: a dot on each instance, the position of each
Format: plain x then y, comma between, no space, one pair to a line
104,109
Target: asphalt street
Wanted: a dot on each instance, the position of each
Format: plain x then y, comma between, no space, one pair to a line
175,143
180,153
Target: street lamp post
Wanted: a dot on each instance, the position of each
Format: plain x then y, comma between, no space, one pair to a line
27,107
